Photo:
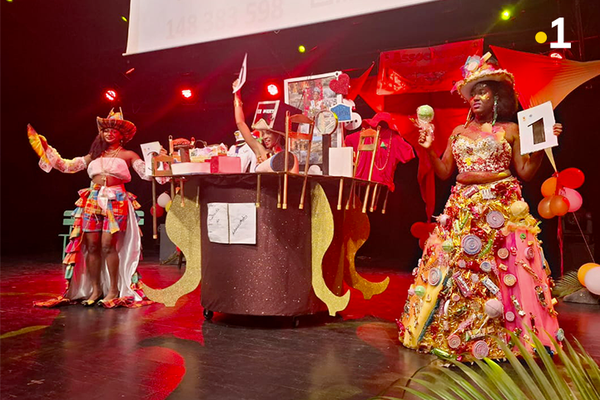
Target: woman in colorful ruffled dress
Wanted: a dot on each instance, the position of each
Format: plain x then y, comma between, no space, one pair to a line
105,243
482,268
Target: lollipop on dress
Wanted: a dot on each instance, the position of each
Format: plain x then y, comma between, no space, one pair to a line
423,122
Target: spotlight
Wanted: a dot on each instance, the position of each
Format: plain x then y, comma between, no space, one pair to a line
187,93
110,95
273,89
506,14
301,49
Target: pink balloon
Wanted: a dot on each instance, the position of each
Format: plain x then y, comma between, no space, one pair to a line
575,199
592,280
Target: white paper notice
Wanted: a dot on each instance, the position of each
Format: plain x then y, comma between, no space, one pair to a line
535,128
231,223
242,223
148,151
242,76
217,223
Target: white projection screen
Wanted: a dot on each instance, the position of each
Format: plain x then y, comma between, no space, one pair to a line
163,24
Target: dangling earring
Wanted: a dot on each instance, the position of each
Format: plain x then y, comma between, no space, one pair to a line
469,117
495,110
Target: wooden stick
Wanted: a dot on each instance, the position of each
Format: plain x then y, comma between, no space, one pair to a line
385,200
181,192
351,195
340,194
154,223
364,207
279,191
374,198
285,189
257,190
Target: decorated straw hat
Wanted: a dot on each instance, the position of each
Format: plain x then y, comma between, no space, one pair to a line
478,69
115,121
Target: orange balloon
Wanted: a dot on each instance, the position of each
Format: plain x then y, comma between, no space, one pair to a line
544,208
559,205
584,270
549,187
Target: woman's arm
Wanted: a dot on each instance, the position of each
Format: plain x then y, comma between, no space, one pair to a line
526,165
240,122
443,167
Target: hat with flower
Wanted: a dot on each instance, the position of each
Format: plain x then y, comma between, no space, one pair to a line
115,121
479,69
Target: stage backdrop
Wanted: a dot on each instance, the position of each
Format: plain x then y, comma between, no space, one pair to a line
163,24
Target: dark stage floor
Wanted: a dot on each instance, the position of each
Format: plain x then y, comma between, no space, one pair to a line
156,352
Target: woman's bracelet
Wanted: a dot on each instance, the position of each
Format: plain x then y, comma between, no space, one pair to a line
237,102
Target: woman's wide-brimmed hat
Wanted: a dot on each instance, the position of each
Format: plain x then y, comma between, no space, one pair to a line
115,121
478,69
378,118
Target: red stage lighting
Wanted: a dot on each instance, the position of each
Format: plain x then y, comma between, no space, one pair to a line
110,95
273,89
187,93
556,54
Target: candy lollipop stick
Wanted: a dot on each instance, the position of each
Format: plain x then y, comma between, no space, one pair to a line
423,122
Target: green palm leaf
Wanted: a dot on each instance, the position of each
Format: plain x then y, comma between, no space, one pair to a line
571,375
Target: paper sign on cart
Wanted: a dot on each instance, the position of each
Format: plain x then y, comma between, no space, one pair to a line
535,128
217,223
231,223
149,150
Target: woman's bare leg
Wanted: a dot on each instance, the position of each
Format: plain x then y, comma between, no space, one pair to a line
111,257
93,262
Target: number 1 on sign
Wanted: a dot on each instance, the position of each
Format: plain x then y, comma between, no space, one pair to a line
559,23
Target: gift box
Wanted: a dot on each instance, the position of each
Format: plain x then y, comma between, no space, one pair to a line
225,165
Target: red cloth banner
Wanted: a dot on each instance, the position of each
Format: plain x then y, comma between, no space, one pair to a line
424,69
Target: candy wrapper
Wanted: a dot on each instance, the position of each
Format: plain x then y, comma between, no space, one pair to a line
424,123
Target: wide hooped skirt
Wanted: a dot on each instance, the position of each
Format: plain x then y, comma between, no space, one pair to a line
482,272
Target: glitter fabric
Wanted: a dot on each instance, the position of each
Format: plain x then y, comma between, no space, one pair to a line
487,253
489,154
183,228
322,235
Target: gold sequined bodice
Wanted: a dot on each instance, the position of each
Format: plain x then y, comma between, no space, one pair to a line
489,153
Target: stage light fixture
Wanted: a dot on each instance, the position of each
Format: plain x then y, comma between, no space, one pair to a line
506,14
301,49
187,93
273,89
110,95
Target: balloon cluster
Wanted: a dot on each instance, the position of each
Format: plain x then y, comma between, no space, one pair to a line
163,203
589,276
560,196
422,230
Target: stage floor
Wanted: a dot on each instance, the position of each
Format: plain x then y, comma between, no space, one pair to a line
156,352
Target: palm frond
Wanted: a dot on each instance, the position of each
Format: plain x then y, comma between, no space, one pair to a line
567,284
571,375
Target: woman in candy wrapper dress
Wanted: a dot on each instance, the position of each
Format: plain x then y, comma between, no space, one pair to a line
482,268
105,243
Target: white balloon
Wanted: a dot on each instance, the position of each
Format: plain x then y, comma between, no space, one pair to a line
163,199
592,280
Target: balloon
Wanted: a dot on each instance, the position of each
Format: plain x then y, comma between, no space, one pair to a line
168,206
544,208
157,211
549,187
583,270
575,200
592,280
571,178
559,205
418,229
163,199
